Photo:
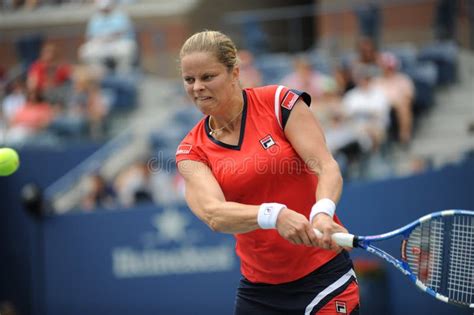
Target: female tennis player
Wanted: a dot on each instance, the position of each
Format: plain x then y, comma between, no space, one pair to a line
257,166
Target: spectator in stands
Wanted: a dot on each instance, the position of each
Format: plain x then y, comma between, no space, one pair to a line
49,75
133,184
399,89
3,75
368,15
110,39
85,111
343,76
367,54
98,194
328,107
250,76
31,119
367,107
445,19
15,98
345,141
16,4
164,182
31,4
304,78
86,103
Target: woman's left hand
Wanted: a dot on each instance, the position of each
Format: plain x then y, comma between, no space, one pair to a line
326,225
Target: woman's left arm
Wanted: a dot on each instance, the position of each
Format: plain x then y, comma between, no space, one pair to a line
307,138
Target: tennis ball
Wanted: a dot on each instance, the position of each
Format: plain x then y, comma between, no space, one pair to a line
9,161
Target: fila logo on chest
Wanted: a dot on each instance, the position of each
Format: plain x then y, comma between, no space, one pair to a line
267,142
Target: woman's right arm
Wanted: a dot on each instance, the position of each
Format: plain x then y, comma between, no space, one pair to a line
206,199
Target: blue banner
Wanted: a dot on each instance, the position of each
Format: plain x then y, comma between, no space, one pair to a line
143,261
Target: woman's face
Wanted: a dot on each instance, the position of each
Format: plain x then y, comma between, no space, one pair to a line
207,81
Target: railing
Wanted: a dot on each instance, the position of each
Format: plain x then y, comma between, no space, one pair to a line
61,195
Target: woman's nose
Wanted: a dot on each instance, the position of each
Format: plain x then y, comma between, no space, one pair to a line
198,86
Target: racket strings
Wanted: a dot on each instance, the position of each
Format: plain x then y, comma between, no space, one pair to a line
435,239
424,253
461,260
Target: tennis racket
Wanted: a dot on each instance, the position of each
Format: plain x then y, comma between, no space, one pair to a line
437,253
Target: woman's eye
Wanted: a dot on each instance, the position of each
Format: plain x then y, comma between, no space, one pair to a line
189,80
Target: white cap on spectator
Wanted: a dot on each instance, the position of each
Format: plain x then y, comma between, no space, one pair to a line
104,4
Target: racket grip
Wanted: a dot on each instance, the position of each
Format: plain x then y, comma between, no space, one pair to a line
342,239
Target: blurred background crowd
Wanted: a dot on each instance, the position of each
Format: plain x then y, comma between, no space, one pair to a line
115,74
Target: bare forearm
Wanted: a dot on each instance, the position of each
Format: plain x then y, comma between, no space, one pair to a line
329,182
230,217
208,203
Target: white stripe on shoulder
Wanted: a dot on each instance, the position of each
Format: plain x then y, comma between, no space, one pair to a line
277,104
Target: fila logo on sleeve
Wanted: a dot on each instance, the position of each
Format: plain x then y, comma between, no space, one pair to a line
290,100
341,307
184,149
267,142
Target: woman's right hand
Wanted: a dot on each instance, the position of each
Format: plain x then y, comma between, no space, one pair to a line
295,228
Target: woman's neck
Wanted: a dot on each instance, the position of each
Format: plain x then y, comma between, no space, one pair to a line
230,118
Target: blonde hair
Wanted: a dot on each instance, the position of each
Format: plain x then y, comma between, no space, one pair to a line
217,43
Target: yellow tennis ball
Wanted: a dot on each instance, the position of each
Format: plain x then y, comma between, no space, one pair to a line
9,161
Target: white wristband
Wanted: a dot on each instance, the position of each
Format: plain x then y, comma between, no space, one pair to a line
324,205
268,215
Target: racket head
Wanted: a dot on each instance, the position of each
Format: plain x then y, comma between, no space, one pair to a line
439,252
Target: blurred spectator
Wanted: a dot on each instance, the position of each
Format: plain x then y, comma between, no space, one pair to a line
16,4
86,108
3,75
133,184
343,77
49,75
366,55
30,119
179,186
31,4
88,98
98,194
165,182
304,78
367,107
250,76
110,39
328,107
399,89
15,98
368,15
445,19
345,141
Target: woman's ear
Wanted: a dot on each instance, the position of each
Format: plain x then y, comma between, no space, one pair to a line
236,74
